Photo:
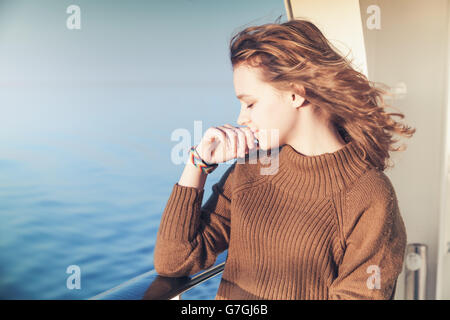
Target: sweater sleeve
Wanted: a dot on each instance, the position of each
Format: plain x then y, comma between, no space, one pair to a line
374,244
190,236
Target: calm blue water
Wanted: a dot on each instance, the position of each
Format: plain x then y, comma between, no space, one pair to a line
87,196
59,208
86,131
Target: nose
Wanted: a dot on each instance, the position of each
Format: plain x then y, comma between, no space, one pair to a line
242,119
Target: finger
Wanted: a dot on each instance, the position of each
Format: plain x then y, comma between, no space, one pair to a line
242,146
232,139
219,135
241,140
250,137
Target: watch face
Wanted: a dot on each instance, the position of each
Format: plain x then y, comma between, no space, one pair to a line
413,261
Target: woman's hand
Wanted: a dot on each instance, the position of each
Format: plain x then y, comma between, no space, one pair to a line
220,144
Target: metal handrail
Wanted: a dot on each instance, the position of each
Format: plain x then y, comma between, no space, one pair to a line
122,289
171,288
151,286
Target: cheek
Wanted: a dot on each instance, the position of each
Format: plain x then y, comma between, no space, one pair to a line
271,124
283,120
273,117
266,116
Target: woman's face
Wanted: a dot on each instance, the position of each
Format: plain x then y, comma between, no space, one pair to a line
264,108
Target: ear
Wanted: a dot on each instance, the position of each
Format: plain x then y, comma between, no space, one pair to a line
297,95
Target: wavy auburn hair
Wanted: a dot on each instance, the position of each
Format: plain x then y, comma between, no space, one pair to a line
296,53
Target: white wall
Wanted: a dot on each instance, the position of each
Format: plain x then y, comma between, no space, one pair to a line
340,23
443,276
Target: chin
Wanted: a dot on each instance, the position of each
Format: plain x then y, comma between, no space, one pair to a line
267,144
264,147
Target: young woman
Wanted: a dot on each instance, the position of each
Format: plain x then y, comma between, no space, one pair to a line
326,224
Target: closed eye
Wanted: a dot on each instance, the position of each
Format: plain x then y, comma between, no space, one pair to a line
248,107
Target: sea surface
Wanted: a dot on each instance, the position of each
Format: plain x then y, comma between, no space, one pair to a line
73,194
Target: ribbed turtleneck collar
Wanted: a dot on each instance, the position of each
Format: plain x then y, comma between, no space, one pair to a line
318,175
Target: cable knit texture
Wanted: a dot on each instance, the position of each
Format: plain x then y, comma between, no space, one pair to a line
316,227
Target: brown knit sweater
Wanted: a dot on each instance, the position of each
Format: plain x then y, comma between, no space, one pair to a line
318,227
